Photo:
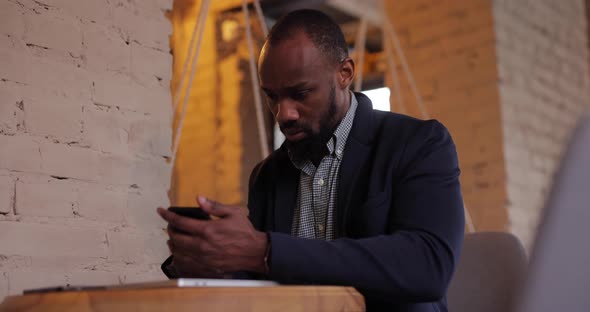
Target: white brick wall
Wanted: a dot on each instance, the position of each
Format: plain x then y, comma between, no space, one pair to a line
49,198
106,130
102,204
34,279
8,111
544,86
40,30
148,64
107,51
50,114
3,284
70,161
85,114
136,248
6,194
12,158
32,239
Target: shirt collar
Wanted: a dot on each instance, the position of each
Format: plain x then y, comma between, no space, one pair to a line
337,142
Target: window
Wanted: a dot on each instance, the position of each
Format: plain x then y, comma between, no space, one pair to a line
380,98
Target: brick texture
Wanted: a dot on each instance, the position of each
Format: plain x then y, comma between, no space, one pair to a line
99,203
12,158
140,209
70,161
8,111
148,65
97,11
22,280
107,51
75,82
509,79
450,48
106,130
6,194
136,248
56,199
39,240
92,278
15,64
85,113
544,87
42,25
3,285
50,114
11,19
154,273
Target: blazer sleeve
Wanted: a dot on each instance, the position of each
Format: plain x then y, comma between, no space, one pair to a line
414,262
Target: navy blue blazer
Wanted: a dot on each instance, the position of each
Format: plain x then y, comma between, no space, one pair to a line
399,214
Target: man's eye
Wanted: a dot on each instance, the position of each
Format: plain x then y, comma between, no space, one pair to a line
300,95
271,98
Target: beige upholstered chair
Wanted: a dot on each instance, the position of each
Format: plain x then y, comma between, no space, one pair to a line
559,275
491,267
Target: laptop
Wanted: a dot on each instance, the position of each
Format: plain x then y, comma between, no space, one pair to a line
175,283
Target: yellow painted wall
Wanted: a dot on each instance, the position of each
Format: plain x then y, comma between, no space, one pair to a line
208,160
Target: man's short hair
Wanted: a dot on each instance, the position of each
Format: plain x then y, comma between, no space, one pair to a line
319,27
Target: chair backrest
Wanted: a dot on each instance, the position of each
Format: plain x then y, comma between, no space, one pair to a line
559,274
491,268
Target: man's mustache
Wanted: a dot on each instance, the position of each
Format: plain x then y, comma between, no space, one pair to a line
293,126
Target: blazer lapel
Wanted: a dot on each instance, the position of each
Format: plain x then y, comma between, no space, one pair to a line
356,154
285,195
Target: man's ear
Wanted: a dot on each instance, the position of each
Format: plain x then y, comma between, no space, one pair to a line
346,73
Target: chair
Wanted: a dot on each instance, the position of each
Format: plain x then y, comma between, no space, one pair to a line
559,275
489,272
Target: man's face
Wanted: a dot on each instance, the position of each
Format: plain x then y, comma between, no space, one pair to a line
300,88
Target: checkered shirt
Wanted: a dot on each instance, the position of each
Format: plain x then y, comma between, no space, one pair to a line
318,187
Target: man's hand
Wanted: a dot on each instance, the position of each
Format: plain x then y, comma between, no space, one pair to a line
211,248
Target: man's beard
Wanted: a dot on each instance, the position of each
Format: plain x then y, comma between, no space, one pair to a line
313,147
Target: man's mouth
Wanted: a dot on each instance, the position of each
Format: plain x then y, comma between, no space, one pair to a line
294,134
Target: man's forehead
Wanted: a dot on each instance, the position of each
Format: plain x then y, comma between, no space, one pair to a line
296,47
290,61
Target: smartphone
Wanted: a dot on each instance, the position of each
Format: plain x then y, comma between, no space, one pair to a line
191,212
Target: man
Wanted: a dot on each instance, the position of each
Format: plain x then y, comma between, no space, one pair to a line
353,197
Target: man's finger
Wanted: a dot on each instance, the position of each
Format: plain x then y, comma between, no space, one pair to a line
187,243
187,266
214,208
183,224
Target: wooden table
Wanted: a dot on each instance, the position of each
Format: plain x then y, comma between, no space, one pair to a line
279,298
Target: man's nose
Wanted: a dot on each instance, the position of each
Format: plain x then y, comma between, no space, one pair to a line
287,111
